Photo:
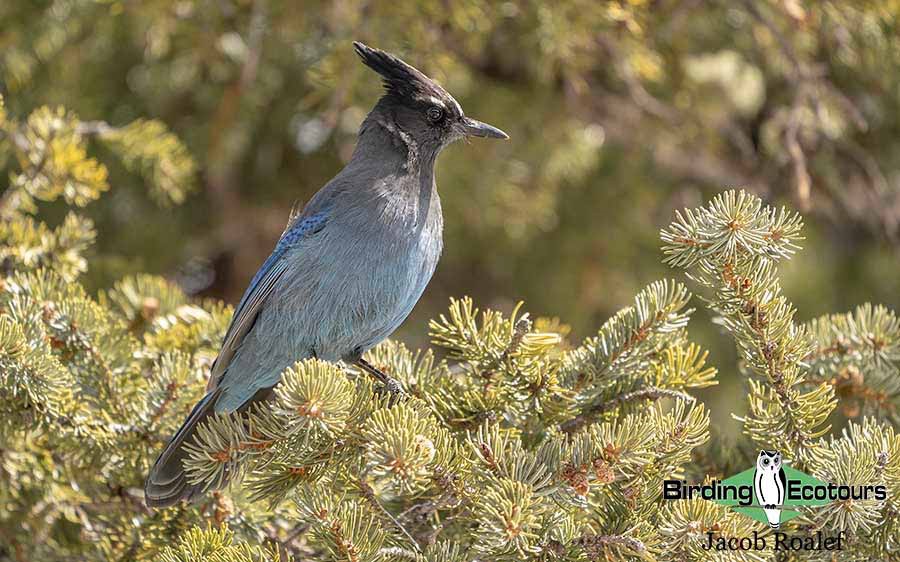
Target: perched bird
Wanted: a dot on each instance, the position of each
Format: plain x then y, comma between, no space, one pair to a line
769,484
348,269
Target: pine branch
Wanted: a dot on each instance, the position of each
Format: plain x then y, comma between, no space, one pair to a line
732,246
620,358
858,353
626,342
147,148
369,494
216,544
649,393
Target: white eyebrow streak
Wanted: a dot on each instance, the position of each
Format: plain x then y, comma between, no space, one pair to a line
459,110
437,101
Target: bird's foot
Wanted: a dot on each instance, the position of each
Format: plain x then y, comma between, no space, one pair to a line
394,387
390,384
769,506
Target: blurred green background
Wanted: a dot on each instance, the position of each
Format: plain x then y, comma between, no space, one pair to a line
619,112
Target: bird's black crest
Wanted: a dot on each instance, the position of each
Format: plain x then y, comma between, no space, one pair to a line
399,78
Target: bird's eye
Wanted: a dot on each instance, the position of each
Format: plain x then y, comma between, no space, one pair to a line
434,114
765,462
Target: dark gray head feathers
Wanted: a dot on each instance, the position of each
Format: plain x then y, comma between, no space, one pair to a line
416,109
400,79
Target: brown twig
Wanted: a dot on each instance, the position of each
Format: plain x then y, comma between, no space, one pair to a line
592,412
369,494
595,545
798,158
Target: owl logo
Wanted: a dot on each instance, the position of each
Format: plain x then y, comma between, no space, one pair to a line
770,483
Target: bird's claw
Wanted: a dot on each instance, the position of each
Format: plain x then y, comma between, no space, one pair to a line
393,386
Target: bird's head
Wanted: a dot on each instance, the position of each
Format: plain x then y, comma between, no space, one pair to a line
418,107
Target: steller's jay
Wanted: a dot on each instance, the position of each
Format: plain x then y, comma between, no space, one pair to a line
348,269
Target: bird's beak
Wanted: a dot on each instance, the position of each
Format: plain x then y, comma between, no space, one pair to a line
475,128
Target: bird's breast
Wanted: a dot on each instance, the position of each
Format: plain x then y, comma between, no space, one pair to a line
356,281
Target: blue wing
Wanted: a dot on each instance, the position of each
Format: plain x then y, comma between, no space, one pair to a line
260,288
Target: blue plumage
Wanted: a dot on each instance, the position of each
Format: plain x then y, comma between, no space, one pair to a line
349,269
292,235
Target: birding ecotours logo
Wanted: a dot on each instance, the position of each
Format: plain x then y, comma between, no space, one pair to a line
771,491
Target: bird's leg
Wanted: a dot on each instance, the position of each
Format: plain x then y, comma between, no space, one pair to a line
392,385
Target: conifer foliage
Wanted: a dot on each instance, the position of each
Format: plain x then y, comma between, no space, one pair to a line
509,443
